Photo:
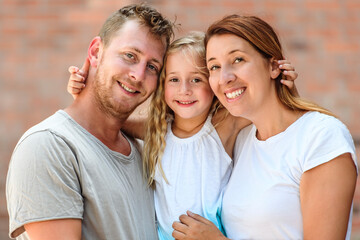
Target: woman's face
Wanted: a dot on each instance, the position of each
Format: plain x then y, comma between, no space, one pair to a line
239,75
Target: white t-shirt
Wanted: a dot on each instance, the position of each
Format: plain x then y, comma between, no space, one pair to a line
197,168
262,199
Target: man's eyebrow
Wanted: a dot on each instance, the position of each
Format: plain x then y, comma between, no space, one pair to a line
153,59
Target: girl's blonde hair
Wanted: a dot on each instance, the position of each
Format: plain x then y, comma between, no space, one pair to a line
160,114
264,39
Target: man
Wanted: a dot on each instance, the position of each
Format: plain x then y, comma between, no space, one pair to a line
76,175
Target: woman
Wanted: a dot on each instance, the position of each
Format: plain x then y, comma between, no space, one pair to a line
295,167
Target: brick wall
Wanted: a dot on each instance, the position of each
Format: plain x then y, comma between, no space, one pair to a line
41,38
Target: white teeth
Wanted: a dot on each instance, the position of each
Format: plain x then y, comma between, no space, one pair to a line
186,102
126,88
234,94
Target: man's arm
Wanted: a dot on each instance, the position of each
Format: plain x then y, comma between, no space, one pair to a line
69,229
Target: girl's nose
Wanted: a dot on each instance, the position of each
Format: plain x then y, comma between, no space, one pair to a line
185,88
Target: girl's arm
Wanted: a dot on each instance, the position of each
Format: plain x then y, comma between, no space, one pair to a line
134,125
77,78
289,76
326,194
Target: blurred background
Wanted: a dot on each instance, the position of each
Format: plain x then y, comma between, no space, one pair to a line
39,39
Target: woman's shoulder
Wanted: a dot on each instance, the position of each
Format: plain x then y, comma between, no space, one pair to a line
316,121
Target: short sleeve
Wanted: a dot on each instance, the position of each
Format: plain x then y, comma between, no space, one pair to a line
328,141
243,137
42,182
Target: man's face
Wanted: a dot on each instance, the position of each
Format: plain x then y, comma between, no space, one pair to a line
128,70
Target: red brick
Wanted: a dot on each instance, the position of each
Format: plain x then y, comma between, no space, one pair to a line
41,38
341,47
316,5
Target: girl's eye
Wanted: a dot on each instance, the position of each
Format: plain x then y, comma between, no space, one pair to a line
238,59
195,80
173,80
213,68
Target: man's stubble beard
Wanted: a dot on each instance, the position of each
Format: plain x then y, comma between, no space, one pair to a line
104,99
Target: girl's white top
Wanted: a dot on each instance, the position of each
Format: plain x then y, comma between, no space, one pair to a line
262,199
197,169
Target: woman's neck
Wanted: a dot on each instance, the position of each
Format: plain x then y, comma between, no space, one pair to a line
274,121
184,128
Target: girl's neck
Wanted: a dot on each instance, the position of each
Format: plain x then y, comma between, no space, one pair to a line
184,128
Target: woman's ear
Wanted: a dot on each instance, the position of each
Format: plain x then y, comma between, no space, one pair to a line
94,51
274,68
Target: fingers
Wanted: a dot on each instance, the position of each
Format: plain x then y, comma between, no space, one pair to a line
73,91
85,68
286,65
73,69
76,83
76,77
178,235
197,217
180,227
288,83
290,75
185,219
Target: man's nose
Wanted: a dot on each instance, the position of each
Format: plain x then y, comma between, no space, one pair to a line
138,71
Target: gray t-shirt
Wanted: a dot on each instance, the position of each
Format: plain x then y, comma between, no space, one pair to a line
59,170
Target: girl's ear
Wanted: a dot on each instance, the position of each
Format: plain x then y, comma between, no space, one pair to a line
94,51
274,68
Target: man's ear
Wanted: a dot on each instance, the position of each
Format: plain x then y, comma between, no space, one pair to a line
94,51
274,68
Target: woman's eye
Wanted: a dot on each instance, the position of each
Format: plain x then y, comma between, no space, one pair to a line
173,80
213,68
239,59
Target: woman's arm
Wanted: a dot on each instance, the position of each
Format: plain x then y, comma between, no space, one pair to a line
326,194
192,226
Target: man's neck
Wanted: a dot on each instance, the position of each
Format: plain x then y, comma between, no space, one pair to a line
103,126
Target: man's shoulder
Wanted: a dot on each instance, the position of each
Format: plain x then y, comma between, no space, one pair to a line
56,124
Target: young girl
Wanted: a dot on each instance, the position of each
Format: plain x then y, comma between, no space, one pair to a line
189,137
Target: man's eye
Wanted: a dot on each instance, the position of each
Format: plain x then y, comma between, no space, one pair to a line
152,67
129,55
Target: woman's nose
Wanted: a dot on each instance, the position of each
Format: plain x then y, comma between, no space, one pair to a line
227,75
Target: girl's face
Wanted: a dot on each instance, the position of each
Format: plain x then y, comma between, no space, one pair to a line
240,76
187,90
